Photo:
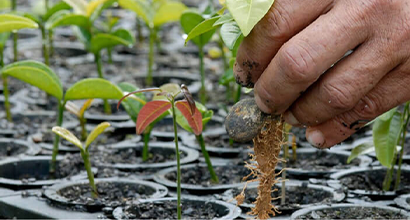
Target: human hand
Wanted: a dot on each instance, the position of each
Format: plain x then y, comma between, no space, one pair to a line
288,58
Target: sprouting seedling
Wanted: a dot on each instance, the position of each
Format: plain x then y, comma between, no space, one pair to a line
154,109
84,149
154,13
94,40
79,112
109,25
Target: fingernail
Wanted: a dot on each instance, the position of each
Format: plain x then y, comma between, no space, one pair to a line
261,104
290,118
315,138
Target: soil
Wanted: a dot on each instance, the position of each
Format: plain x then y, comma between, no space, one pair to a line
110,194
200,175
168,210
372,180
98,109
321,161
222,141
11,149
353,213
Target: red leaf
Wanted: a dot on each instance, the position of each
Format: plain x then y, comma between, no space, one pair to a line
194,120
135,92
149,112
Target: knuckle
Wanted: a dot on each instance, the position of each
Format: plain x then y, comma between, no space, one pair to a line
265,92
337,97
296,62
368,107
276,23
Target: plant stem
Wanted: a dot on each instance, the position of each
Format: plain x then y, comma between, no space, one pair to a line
403,141
140,38
202,93
60,112
109,51
86,158
44,43
145,152
46,3
294,147
152,33
6,98
214,177
97,59
50,43
178,160
1,57
221,46
238,93
84,134
15,36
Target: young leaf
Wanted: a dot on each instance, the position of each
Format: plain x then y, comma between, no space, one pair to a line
199,30
140,7
95,133
247,13
3,39
66,18
386,133
9,22
170,88
227,77
79,6
151,111
194,119
224,19
85,106
72,108
131,105
93,5
36,74
136,92
361,149
92,89
97,12
168,11
56,8
66,134
103,40
188,97
230,34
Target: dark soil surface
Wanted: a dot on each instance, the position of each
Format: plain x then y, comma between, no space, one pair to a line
200,175
373,181
321,161
222,141
11,149
98,109
110,194
353,213
168,210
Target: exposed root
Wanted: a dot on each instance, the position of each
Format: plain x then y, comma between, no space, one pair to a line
267,146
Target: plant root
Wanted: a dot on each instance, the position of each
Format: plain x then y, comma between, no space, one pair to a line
267,146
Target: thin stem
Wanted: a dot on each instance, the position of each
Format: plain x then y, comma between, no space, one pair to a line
83,123
44,43
15,36
97,59
221,46
109,51
60,112
86,158
145,149
6,98
148,80
139,31
47,4
294,147
214,177
238,93
202,94
1,57
178,160
403,141
50,43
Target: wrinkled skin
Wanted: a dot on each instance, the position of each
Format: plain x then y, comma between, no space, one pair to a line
289,57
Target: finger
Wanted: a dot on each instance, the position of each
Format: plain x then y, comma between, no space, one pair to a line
284,19
341,88
391,91
302,59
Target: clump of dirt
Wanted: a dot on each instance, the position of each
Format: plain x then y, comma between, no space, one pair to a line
267,146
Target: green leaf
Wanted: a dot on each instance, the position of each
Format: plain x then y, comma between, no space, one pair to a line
140,7
361,149
56,8
3,39
199,30
79,6
9,22
92,89
132,106
34,18
247,13
83,35
100,5
227,77
66,18
102,40
66,134
230,34
224,19
95,133
386,133
170,88
5,4
36,74
169,11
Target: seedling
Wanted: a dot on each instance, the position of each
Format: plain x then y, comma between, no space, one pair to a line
109,25
166,101
154,13
93,39
84,149
79,112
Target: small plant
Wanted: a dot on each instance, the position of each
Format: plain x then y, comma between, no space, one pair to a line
79,112
167,101
154,13
109,25
85,154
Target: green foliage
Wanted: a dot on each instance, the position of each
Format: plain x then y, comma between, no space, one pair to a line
132,106
119,37
361,149
3,39
206,117
56,8
10,22
66,134
5,5
227,77
66,18
95,133
231,35
199,30
386,133
36,74
247,13
93,88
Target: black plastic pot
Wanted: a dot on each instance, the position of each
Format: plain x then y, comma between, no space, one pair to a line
312,212
160,177
163,148
14,147
377,173
152,190
117,116
337,162
16,106
330,196
225,210
14,173
403,201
